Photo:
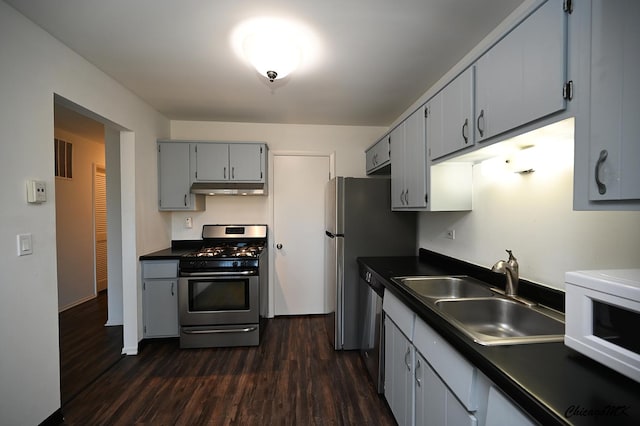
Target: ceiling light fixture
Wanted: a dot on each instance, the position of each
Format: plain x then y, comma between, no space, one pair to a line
272,53
275,47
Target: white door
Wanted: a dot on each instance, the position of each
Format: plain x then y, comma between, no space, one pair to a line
299,183
100,226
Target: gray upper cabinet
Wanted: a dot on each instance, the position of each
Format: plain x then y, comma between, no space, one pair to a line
409,164
522,77
239,162
379,155
174,180
416,184
450,118
211,161
612,130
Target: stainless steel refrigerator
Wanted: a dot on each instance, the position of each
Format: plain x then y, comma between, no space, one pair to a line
358,222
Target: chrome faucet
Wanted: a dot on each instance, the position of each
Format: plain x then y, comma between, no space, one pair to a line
510,269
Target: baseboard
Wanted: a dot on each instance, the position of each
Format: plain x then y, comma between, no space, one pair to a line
130,350
54,420
76,303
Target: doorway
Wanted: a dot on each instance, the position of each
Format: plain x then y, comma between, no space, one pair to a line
87,347
299,183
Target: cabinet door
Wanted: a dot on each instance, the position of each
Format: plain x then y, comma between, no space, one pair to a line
521,78
173,176
398,378
431,397
614,171
450,123
502,412
246,162
415,159
378,155
160,299
211,161
435,404
397,167
457,112
434,123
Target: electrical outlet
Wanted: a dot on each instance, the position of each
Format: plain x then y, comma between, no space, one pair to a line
451,234
188,223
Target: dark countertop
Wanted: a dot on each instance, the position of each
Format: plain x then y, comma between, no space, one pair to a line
177,249
553,383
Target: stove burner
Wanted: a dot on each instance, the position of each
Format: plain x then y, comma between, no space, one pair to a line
227,250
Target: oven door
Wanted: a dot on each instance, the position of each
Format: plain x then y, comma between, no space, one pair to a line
219,300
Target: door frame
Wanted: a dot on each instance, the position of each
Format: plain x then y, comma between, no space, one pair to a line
271,241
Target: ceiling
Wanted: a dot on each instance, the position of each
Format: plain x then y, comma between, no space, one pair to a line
376,57
73,122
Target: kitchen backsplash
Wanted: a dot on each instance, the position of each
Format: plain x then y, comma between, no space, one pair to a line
532,214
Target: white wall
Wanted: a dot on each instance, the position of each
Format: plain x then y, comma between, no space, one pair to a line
347,142
74,222
34,67
532,215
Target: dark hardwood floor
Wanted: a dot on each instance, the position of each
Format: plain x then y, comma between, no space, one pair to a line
87,347
293,378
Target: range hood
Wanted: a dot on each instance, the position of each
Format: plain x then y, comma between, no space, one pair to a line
229,188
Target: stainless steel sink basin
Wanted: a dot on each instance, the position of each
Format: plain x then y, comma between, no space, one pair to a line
445,287
501,321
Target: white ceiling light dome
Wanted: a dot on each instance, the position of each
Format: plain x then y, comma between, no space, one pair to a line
273,55
275,47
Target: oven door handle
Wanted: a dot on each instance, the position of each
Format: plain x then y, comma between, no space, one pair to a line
215,274
226,330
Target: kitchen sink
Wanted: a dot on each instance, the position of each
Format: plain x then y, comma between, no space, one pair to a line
445,287
502,321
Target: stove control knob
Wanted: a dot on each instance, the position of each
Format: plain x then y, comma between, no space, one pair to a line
235,264
278,246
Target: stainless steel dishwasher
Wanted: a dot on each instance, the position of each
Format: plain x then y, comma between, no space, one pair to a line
372,347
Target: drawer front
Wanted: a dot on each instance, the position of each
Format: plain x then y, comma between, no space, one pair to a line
402,316
160,269
457,373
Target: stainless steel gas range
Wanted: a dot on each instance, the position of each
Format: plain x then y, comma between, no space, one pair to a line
222,289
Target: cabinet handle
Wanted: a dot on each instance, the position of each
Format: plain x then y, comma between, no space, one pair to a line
172,289
224,172
480,128
602,188
406,197
233,173
405,358
185,200
465,126
415,373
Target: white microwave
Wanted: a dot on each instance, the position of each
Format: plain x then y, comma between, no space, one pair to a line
602,317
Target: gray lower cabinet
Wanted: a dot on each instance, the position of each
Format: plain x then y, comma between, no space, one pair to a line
435,404
427,382
398,379
160,298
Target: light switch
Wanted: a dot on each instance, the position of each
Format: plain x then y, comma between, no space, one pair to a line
25,245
